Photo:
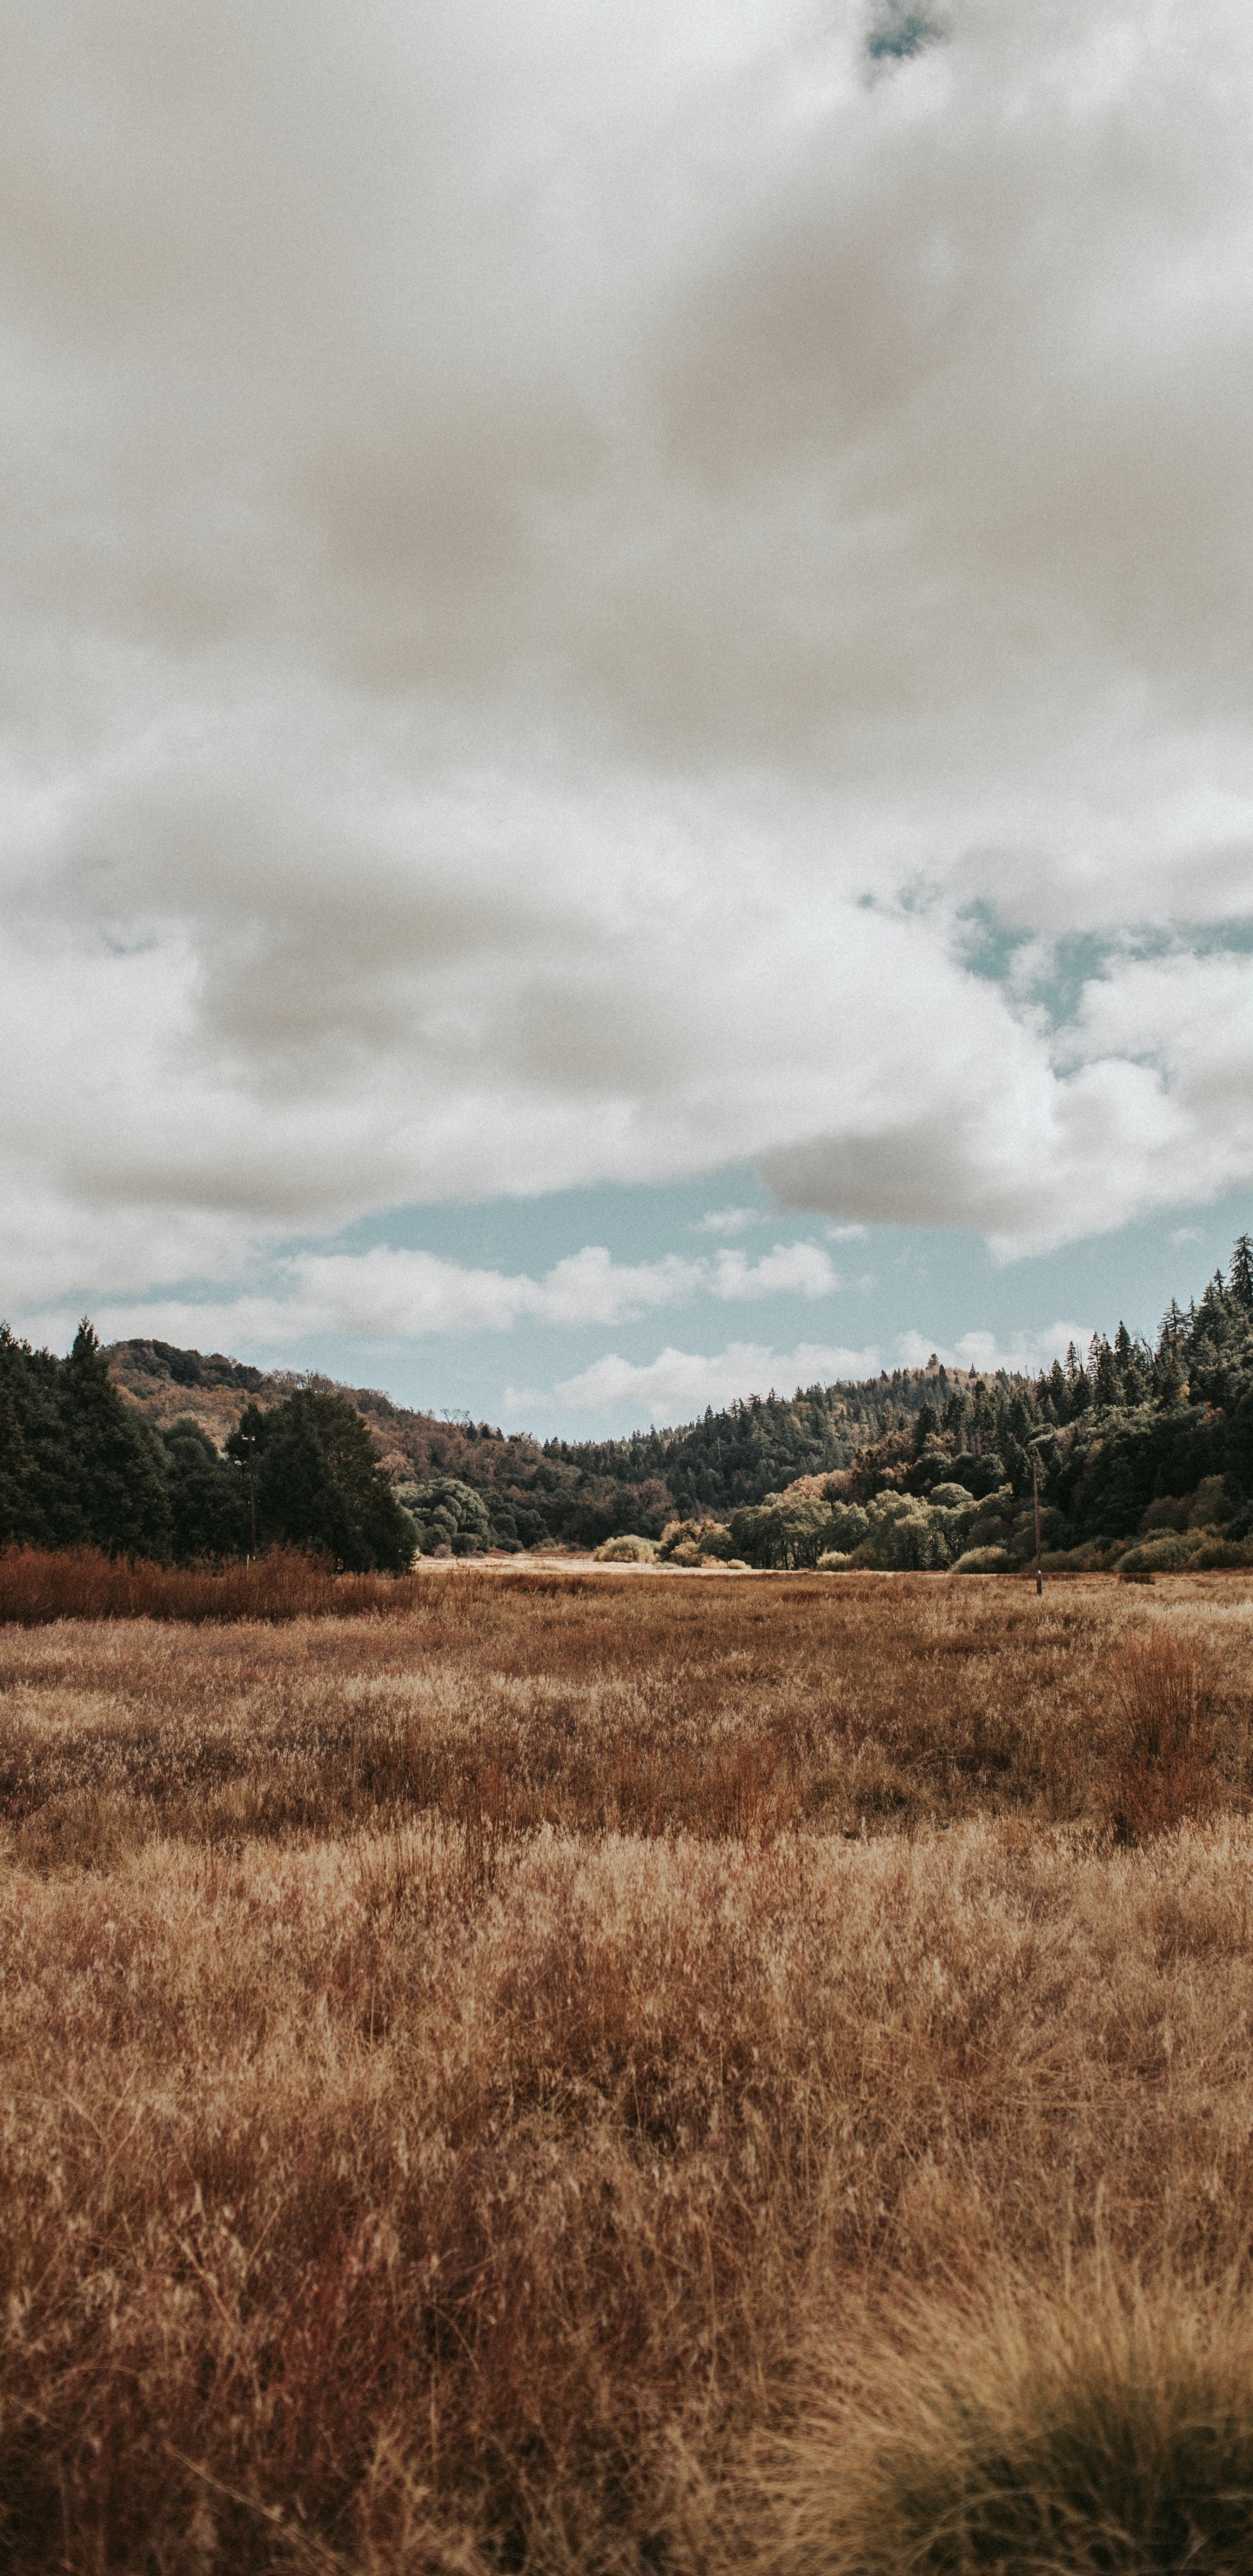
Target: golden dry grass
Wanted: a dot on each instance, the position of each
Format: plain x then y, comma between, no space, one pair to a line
643,2076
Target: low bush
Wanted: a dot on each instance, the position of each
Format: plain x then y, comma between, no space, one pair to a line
1163,1555
693,1542
1215,1552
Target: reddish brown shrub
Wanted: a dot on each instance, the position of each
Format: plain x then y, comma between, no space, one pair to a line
38,1584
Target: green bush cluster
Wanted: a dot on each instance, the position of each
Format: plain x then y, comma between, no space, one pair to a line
448,1518
946,1530
892,1531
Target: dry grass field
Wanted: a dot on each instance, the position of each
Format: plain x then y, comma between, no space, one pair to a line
629,2075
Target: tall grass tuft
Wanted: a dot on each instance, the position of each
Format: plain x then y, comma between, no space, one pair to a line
1162,1768
1099,2430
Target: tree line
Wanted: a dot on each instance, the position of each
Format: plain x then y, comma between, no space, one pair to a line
79,1466
1134,1444
1141,1456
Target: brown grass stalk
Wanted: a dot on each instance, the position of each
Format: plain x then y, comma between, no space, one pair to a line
1162,1766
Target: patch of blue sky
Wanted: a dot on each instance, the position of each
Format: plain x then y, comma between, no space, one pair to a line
900,1285
641,1223
1050,975
897,32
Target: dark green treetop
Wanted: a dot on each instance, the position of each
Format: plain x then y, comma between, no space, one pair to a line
318,1484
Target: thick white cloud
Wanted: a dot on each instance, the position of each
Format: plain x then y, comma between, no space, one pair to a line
391,1295
547,555
678,1385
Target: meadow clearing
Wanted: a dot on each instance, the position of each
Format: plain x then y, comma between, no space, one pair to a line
631,2074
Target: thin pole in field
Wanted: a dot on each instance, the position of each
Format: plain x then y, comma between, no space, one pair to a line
250,1444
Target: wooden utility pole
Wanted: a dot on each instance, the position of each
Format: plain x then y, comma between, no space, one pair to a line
249,1440
1035,1488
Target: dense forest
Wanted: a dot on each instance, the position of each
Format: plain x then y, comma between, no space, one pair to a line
1143,1453
80,1465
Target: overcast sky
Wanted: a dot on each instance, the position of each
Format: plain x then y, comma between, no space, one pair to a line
626,641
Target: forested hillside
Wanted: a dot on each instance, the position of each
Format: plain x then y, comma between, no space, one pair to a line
1143,1458
151,1450
576,1493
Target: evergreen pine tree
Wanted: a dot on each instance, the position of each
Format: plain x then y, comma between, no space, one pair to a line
1106,1387
1169,1376
17,1497
1134,1383
317,1483
208,1496
117,1466
1240,1282
38,1502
